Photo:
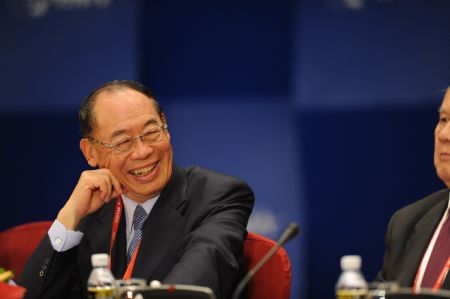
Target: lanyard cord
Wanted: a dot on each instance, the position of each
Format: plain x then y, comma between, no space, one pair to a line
115,227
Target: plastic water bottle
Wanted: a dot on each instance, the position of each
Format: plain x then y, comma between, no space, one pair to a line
101,283
351,283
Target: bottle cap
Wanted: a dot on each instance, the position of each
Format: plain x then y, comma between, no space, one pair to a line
155,284
100,260
351,262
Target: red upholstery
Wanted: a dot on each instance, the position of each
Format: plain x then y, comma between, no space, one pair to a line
17,244
273,280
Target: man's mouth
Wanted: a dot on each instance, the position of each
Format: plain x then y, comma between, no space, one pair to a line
143,171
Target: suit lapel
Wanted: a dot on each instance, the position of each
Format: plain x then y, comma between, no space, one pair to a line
100,238
162,227
419,240
100,233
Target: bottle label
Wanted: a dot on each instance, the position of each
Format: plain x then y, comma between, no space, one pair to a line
101,292
351,294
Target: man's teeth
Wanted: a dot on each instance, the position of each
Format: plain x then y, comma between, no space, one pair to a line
143,171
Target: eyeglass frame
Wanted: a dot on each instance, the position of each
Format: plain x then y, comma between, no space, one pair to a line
113,146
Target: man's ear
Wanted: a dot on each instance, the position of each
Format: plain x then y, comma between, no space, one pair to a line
164,120
88,151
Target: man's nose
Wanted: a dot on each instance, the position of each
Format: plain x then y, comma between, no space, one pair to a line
444,133
140,149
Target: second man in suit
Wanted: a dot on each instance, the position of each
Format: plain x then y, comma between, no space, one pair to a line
418,237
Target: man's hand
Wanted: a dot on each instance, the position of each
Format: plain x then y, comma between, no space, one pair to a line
94,188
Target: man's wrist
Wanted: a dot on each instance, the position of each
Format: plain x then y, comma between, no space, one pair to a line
63,239
68,219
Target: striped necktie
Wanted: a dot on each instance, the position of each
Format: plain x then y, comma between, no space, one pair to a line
139,217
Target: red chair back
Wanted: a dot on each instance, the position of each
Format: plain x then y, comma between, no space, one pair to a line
273,280
19,242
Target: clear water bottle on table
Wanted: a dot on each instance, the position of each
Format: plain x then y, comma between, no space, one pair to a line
351,283
101,283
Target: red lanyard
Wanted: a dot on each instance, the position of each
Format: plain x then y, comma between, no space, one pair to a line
115,227
440,279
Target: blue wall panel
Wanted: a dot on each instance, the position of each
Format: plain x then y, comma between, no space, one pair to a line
217,47
51,62
390,53
41,163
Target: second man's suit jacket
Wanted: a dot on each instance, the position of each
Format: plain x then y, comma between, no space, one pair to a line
409,233
193,235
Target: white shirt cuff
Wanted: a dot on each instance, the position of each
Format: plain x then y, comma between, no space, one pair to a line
63,239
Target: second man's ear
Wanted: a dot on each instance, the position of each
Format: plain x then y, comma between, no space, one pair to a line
87,148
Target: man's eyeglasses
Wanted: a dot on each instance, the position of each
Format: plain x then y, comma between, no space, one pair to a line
152,135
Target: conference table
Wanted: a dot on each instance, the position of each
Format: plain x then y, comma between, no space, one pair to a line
407,293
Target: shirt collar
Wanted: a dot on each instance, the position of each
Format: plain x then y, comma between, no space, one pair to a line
130,205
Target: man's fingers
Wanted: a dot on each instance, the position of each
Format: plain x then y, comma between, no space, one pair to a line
117,186
105,189
102,184
115,194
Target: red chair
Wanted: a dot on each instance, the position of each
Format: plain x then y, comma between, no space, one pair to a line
19,242
273,280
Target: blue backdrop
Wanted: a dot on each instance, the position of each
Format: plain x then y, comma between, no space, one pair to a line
326,110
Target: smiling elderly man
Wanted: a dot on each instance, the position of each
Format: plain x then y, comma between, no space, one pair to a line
195,219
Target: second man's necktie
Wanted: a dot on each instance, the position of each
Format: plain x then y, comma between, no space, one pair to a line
439,256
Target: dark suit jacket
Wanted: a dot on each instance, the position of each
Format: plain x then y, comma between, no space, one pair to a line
409,233
193,235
